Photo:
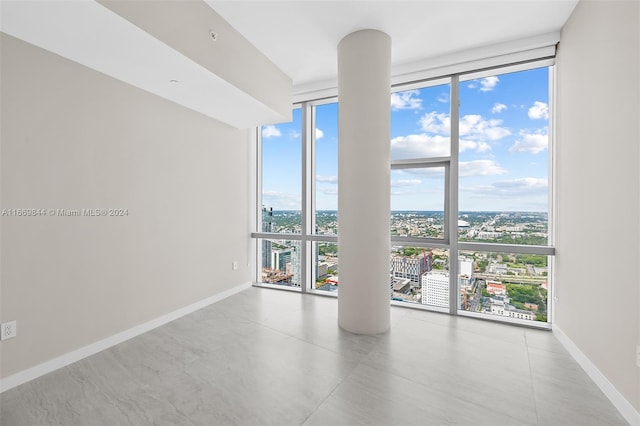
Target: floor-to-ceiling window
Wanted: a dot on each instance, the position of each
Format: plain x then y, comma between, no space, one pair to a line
420,195
281,194
298,198
503,192
470,198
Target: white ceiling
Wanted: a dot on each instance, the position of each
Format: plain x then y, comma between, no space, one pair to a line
90,34
301,36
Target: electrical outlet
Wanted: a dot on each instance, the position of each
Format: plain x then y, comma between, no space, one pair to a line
234,265
8,330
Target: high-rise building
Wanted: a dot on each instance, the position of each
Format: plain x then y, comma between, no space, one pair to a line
411,267
391,282
267,226
280,258
466,273
435,289
294,259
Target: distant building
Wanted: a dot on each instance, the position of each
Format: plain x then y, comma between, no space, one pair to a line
435,289
267,226
505,310
517,271
391,283
466,266
295,267
411,267
323,268
497,269
541,270
328,287
496,288
466,269
489,235
280,258
287,261
401,285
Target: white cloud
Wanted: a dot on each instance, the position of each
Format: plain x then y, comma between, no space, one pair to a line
319,134
281,201
480,168
494,132
539,110
406,100
443,98
270,131
498,108
419,146
327,179
403,183
436,122
527,183
425,172
480,147
489,83
294,134
514,187
475,133
329,190
476,127
473,126
533,143
527,194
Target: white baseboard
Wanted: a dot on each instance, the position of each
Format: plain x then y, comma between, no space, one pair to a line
24,376
624,407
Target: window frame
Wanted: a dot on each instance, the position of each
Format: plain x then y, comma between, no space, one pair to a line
308,233
451,164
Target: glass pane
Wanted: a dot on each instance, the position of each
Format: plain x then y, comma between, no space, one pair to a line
504,284
280,262
504,157
326,266
503,227
420,123
326,158
417,202
420,275
282,176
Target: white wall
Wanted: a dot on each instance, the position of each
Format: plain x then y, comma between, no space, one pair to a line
598,188
185,26
72,138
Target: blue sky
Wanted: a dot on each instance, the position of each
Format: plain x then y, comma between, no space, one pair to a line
503,148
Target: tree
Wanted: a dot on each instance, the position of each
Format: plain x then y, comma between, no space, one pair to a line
541,317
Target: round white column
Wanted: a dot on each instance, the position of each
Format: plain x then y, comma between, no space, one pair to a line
364,82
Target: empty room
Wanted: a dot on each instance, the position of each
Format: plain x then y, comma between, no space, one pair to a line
315,212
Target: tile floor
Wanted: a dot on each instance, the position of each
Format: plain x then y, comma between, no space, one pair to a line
269,357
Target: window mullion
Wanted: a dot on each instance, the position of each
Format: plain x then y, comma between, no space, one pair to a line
258,206
307,194
453,196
